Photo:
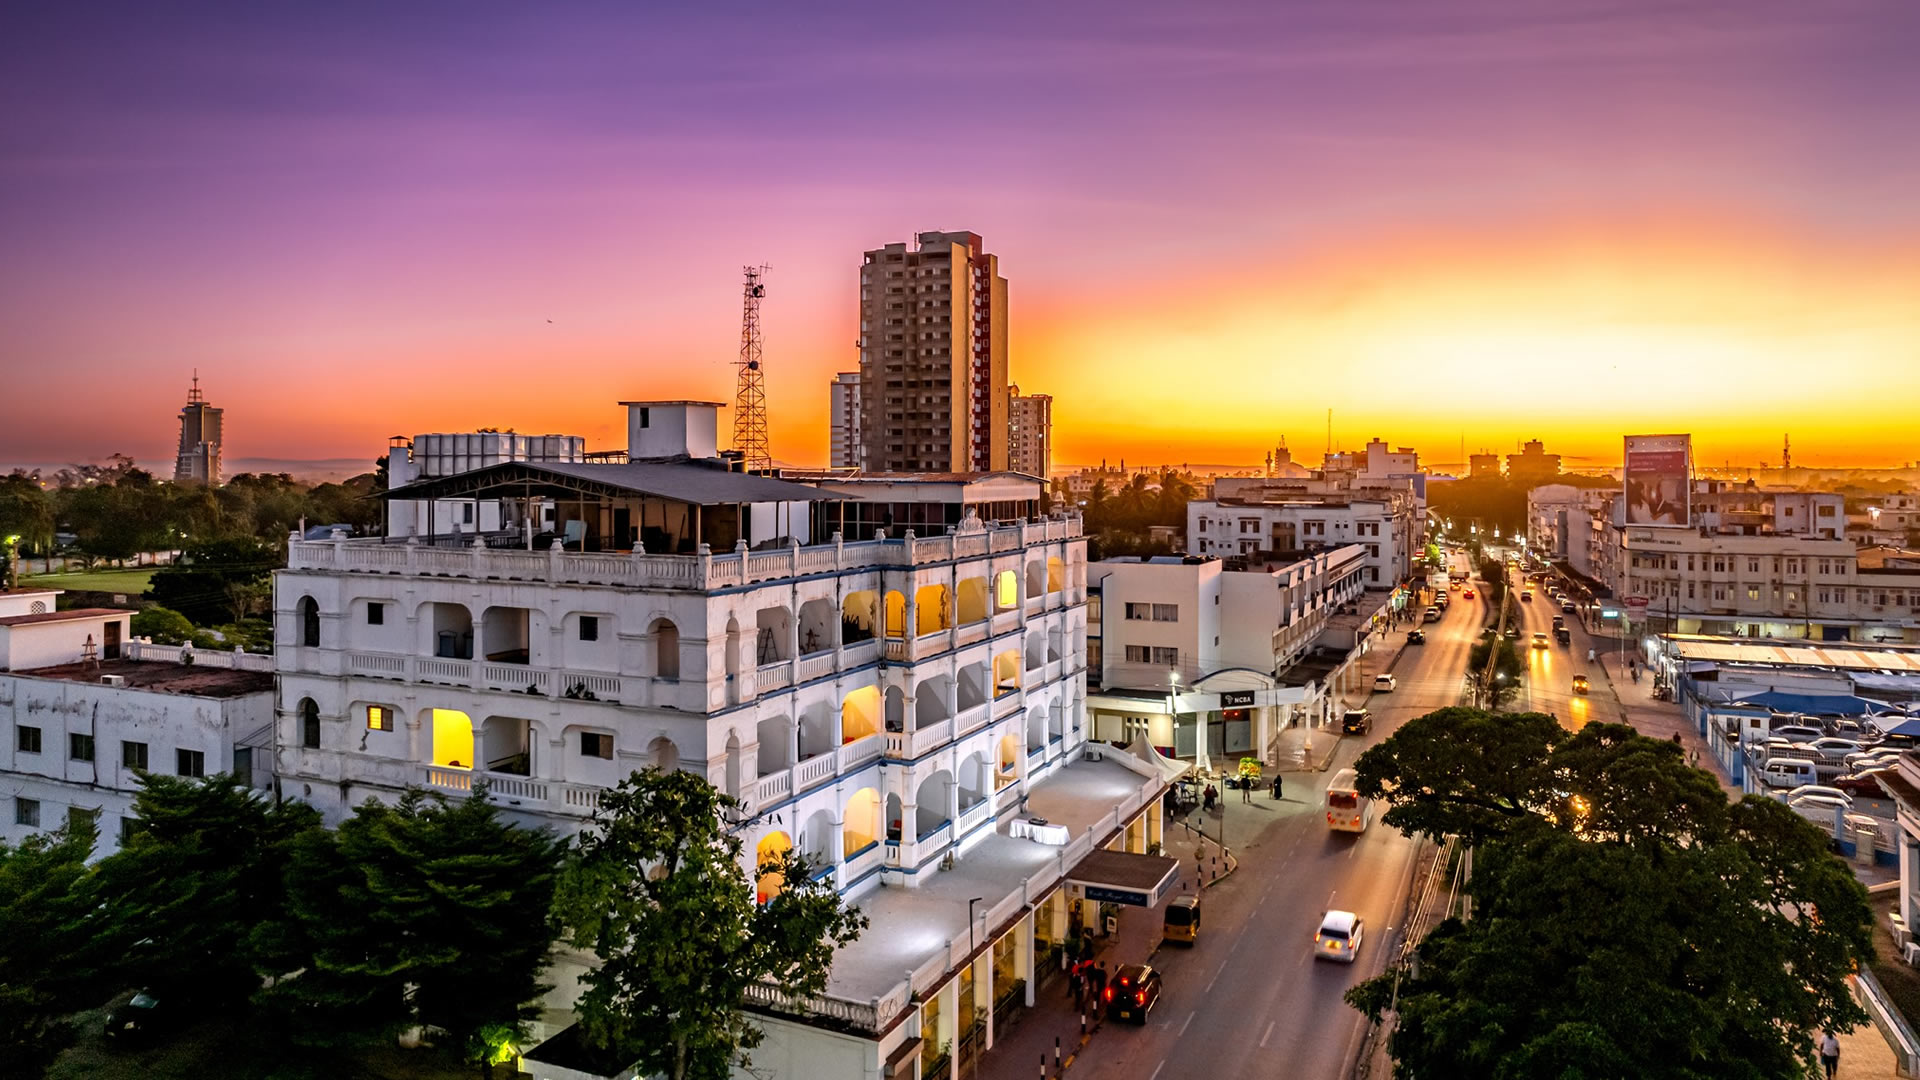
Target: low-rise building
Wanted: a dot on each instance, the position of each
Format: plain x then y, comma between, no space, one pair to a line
87,709
1251,515
1885,520
1183,646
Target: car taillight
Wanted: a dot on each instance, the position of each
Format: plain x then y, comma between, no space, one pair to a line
1140,998
1109,993
1329,817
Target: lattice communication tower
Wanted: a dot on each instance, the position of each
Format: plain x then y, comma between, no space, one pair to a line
750,394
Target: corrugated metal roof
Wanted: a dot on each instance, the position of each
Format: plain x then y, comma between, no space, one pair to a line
681,481
1834,656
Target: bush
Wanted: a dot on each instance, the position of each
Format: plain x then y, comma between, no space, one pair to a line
163,625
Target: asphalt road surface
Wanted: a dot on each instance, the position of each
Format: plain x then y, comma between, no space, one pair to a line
1249,1000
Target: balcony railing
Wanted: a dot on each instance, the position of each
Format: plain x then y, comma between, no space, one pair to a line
707,571
521,678
576,799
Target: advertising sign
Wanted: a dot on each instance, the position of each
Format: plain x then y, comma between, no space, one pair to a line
1658,491
1236,699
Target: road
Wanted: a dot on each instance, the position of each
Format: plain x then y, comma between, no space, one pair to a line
1248,1000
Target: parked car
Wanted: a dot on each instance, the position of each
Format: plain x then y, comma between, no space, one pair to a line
1356,721
1871,758
1819,789
1788,772
1132,993
1567,607
1339,937
1862,785
1834,749
139,1017
1384,683
1836,801
1432,614
1799,733
1416,637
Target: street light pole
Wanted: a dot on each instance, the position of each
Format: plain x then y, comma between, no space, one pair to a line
976,984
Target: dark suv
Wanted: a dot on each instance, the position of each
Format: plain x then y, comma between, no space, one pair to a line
1132,993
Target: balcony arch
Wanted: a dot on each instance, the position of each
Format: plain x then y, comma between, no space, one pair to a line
449,629
776,744
665,637
931,801
663,754
1036,650
731,647
859,614
452,733
1053,643
1036,728
816,731
819,630
816,839
933,609
931,702
972,690
893,817
773,633
309,612
1006,673
766,855
973,779
1007,763
896,705
1036,578
506,745
896,613
970,600
860,822
860,714
731,768
1006,591
1056,574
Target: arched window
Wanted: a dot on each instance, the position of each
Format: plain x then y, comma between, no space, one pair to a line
309,622
666,649
309,724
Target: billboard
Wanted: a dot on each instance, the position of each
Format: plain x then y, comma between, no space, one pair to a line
1657,470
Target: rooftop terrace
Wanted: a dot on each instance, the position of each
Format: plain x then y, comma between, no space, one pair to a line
164,678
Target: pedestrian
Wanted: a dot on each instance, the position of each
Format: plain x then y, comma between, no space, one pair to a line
1276,786
1830,1054
1246,789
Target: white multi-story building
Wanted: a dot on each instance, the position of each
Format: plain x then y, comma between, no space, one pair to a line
1756,563
843,422
1183,645
1560,522
1254,515
1886,521
879,698
87,709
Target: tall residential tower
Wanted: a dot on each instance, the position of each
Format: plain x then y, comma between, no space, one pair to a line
933,356
1030,433
198,461
844,421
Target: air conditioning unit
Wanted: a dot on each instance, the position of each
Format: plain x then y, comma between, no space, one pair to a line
113,680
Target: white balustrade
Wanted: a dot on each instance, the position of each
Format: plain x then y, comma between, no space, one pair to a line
860,751
815,770
972,719
774,676
815,666
378,665
972,817
930,738
897,745
516,677
434,669
772,788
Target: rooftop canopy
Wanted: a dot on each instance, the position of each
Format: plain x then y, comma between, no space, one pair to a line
681,481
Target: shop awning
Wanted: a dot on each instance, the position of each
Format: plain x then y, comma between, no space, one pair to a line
1122,877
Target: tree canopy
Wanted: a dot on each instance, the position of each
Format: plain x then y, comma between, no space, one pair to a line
1629,921
42,933
660,895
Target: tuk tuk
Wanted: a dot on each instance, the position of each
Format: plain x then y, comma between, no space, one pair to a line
1562,635
1183,919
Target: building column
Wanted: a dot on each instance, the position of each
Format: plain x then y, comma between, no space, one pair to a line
837,844
552,761
1023,953
1156,824
950,1025
983,976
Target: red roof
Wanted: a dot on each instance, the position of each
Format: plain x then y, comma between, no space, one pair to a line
62,616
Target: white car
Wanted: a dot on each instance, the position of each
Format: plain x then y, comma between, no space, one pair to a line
1834,748
1384,683
1871,759
1822,800
1338,937
1818,791
1799,733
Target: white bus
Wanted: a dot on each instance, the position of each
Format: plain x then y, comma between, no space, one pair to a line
1347,809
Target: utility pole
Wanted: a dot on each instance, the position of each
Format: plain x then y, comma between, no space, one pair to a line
750,394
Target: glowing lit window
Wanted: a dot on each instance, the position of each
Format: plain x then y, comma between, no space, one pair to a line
1006,589
379,718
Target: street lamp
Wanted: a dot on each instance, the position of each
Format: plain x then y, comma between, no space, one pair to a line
970,947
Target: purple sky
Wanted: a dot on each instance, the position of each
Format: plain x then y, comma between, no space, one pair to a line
356,219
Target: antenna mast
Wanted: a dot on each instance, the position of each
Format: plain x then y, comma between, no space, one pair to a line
750,394
1786,452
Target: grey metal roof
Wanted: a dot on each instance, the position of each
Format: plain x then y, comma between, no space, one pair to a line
680,481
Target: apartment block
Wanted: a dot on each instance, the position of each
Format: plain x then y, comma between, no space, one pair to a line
1252,515
197,461
844,448
1030,434
933,356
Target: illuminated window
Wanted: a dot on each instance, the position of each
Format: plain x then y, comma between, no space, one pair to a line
379,718
1006,589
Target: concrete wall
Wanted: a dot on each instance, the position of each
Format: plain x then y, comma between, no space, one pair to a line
33,645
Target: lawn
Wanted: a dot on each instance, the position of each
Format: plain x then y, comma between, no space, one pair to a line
130,582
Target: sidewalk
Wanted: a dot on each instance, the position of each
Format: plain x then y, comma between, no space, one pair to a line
1310,747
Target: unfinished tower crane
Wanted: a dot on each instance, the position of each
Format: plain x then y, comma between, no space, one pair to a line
750,394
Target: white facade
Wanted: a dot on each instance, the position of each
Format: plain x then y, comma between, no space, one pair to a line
76,733
1386,528
1560,522
843,421
1886,521
1193,629
436,454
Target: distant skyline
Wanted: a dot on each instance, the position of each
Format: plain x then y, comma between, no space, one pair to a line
1492,218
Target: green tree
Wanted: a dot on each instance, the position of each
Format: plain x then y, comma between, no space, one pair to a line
178,903
658,893
1628,920
425,912
42,978
1497,687
163,625
26,511
218,581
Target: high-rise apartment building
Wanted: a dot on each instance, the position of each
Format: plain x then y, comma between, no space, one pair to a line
1030,433
198,461
844,421
933,356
